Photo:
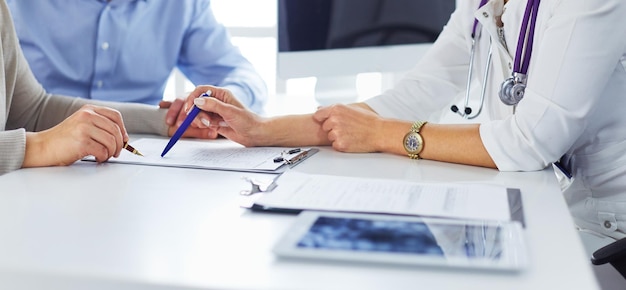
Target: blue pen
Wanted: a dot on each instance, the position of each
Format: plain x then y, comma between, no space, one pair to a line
183,127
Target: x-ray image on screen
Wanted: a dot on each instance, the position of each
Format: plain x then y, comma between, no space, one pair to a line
368,235
392,236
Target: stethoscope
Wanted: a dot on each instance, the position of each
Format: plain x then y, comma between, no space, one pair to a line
512,89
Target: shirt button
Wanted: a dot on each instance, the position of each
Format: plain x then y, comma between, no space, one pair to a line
105,45
607,224
99,84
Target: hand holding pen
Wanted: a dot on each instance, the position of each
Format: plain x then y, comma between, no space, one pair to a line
91,130
183,127
224,113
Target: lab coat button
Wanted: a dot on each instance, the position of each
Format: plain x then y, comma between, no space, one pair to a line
607,224
486,15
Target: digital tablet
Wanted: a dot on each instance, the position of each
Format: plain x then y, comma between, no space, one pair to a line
405,240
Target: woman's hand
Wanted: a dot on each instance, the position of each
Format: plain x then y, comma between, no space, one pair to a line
223,113
92,130
351,128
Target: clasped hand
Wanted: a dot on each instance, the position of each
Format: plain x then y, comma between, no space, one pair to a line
351,128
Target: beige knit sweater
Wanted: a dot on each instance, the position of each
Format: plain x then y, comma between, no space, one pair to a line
25,105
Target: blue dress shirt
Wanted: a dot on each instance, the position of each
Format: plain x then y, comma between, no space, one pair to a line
125,50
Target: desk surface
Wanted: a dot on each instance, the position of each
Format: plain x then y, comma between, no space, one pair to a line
115,226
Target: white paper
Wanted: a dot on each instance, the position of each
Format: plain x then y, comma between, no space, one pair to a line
351,194
206,154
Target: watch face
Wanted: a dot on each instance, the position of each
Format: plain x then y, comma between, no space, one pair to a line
413,142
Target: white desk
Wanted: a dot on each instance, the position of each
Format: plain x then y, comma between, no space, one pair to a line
114,226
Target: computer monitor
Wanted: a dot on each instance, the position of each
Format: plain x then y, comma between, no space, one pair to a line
334,40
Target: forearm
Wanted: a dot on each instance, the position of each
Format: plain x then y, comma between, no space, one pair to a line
448,143
291,130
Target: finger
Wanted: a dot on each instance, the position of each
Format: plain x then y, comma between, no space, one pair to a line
208,120
232,135
321,114
97,142
201,133
181,115
216,120
114,116
164,104
203,120
174,112
208,133
110,121
95,149
216,106
332,136
197,92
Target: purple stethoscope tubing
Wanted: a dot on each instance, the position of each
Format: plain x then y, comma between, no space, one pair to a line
531,8
512,89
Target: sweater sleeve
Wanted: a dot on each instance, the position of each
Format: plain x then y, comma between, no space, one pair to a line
12,148
138,118
12,142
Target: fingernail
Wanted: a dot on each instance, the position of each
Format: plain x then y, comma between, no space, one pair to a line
205,122
199,101
170,121
223,124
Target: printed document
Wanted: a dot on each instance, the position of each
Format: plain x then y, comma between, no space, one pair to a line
206,154
351,194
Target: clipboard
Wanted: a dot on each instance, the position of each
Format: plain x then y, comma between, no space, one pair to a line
508,199
215,155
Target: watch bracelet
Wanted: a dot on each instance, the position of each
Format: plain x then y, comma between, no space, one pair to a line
417,125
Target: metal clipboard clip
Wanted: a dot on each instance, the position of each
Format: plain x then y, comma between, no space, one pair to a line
292,156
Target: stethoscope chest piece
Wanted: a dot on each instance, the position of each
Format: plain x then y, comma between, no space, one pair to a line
512,89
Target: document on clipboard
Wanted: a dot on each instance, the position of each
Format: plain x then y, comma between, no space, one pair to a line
296,191
214,154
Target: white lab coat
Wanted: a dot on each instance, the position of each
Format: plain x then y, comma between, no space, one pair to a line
574,105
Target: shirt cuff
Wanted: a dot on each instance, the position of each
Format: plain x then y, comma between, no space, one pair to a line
12,150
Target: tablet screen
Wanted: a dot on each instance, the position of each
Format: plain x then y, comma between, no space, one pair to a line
406,240
358,234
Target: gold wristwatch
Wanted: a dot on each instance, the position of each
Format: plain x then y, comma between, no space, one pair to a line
413,141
